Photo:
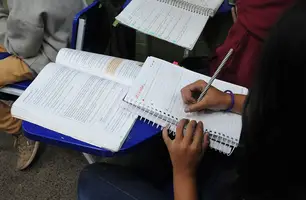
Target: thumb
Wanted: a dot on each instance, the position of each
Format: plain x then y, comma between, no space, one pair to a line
196,107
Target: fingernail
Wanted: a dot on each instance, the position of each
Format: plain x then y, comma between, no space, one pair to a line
187,109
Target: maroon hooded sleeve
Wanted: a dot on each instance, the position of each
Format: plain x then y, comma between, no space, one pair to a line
246,36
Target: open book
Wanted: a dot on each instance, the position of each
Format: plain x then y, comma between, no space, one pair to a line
180,22
80,95
155,96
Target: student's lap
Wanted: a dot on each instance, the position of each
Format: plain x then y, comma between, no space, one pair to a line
150,162
105,181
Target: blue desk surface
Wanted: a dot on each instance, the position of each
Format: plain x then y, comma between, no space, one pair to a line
140,132
4,55
21,85
75,23
225,7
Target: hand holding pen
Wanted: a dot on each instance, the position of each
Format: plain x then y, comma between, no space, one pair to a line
193,94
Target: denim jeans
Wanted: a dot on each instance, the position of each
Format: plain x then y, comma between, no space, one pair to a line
110,182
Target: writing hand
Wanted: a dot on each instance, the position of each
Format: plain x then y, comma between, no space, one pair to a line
213,100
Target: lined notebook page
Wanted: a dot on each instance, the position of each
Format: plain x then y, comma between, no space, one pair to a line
158,87
166,22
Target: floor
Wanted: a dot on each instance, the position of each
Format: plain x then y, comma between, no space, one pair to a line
53,176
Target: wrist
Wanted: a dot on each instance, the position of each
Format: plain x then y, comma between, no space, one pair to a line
184,174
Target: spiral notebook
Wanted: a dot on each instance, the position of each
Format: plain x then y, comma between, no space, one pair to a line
155,96
179,22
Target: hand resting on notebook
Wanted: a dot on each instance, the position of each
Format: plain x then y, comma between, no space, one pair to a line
186,151
214,99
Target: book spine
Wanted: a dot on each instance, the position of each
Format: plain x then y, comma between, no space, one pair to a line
189,7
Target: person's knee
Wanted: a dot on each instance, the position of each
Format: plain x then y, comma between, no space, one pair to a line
8,123
88,173
88,180
104,181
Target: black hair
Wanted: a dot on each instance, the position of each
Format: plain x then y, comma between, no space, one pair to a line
273,119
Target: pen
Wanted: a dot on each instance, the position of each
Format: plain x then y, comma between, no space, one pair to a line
215,74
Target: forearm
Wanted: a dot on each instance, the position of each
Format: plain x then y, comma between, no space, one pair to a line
185,187
238,102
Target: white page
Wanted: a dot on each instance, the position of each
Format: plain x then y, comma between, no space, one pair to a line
166,22
78,105
120,70
158,86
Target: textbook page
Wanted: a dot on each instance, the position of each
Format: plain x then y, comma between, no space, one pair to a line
76,104
116,69
150,92
172,24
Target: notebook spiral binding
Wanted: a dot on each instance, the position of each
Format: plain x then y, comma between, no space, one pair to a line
145,111
150,114
189,6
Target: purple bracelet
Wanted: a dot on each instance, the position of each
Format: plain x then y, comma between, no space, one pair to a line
232,100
